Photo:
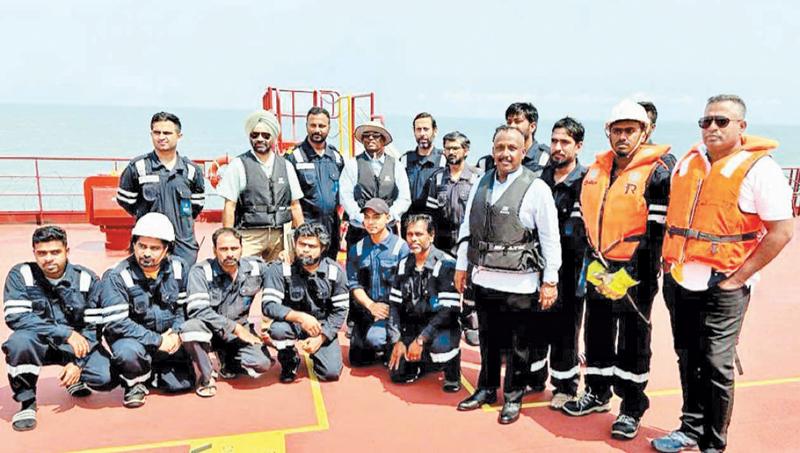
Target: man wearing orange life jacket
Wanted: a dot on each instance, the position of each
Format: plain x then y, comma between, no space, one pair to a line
729,215
623,202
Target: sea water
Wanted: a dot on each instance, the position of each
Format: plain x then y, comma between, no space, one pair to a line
123,132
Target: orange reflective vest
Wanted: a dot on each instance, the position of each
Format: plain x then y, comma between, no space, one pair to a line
704,221
616,214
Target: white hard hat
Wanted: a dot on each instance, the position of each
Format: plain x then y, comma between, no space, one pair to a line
154,225
628,110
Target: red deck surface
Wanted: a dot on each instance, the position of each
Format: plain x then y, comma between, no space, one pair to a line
365,412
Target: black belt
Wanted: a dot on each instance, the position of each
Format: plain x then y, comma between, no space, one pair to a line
695,234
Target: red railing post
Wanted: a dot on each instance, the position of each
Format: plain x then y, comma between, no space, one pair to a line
40,216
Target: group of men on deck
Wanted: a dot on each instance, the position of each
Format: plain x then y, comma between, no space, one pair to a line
512,252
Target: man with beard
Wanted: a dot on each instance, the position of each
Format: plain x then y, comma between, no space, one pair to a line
261,191
308,301
143,301
166,182
730,214
220,292
560,325
509,237
318,166
631,180
423,314
371,268
448,191
51,307
524,117
421,163
372,174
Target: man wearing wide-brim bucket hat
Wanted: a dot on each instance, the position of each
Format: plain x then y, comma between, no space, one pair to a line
372,174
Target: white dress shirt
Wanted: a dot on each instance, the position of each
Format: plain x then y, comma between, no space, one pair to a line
538,211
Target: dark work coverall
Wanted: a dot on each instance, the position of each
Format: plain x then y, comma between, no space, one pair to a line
324,295
42,316
146,185
424,304
319,178
137,310
215,304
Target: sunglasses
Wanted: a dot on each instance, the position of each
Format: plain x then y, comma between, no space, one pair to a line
722,122
371,136
264,135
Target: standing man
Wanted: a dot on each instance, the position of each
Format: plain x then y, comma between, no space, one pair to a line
524,117
423,313
261,191
372,174
308,302
510,237
448,192
421,163
143,301
372,264
717,239
562,322
51,307
220,292
166,182
631,180
318,166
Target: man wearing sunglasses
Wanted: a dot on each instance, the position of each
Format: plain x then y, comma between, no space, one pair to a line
717,239
623,201
166,182
261,191
373,174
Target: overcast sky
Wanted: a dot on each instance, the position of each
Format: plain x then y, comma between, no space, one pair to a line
453,58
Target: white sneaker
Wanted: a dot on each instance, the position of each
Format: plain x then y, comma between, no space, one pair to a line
559,399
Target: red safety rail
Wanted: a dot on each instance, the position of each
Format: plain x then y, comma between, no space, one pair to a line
793,173
291,104
39,175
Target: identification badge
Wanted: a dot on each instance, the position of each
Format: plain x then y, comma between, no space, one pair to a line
186,207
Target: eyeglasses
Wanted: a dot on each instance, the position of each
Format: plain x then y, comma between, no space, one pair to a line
452,148
722,121
371,136
264,135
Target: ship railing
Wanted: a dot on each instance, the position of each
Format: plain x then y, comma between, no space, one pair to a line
50,189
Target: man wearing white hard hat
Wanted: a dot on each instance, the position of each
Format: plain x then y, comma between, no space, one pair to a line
372,174
143,301
623,204
261,191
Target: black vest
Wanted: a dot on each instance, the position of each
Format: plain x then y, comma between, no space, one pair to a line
370,186
498,239
264,202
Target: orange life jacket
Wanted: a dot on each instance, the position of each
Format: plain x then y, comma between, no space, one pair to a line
616,214
704,221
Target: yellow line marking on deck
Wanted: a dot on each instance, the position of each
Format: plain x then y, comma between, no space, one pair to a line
262,442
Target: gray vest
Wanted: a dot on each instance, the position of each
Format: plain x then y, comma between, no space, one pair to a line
370,186
498,239
264,202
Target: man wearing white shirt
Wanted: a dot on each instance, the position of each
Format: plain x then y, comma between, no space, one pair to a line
261,192
372,174
510,236
717,239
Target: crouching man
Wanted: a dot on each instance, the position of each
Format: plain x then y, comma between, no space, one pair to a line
307,301
424,308
143,301
221,291
50,305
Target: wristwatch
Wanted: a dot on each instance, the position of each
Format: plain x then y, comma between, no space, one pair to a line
551,284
